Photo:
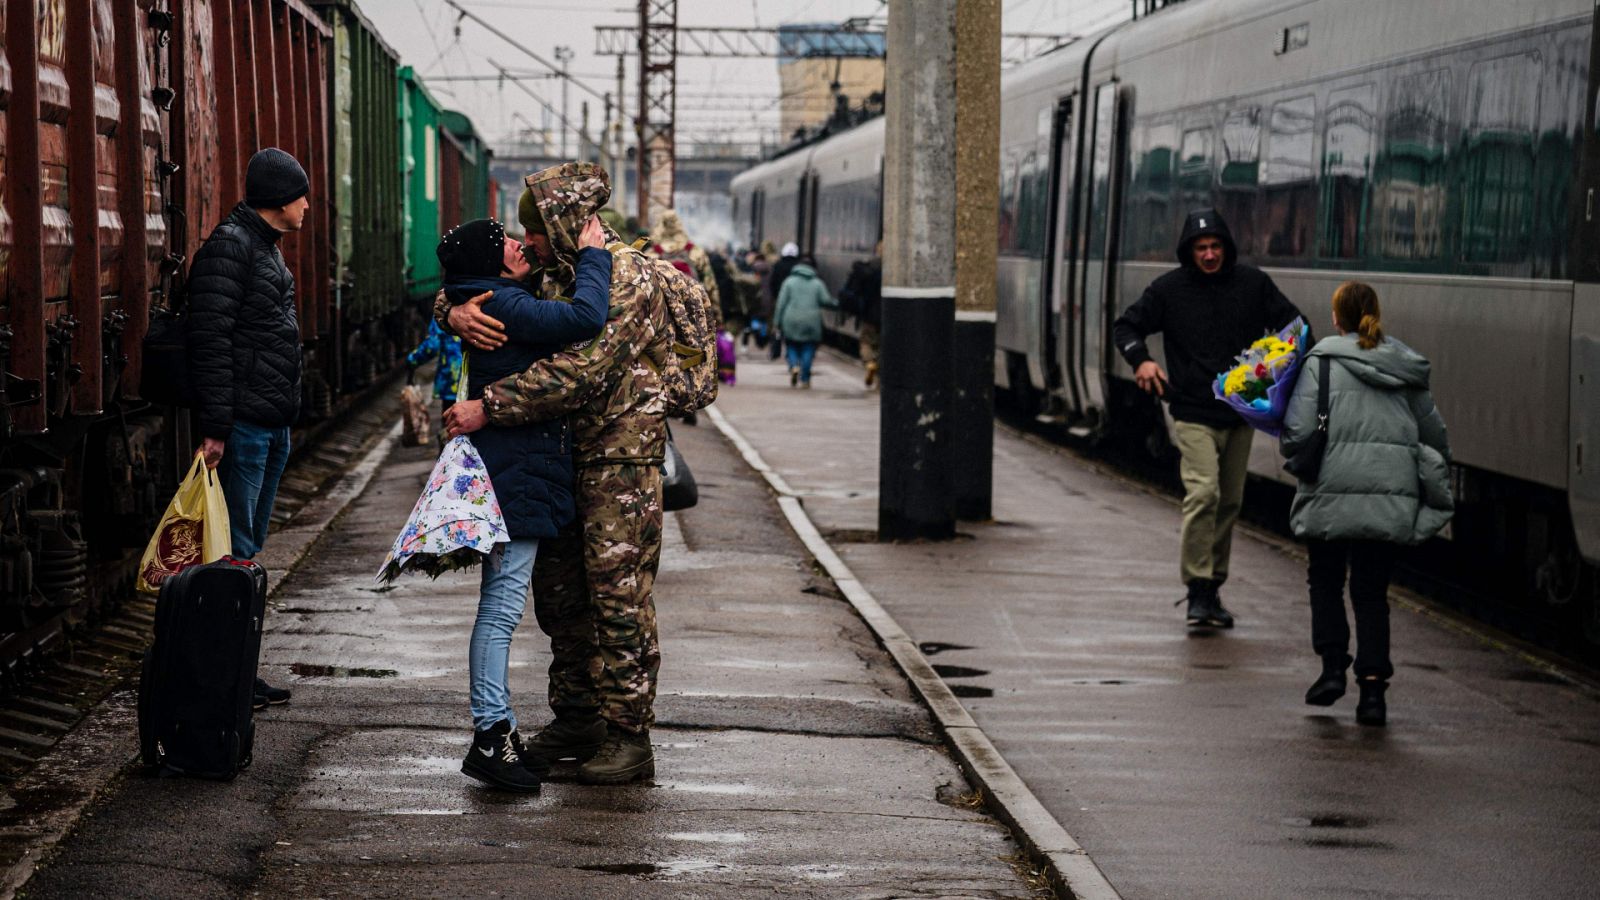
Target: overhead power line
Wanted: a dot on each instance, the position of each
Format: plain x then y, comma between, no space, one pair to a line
465,13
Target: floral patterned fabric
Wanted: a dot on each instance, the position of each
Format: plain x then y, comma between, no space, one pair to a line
456,521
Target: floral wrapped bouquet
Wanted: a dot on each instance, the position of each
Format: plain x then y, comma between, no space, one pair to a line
456,522
1259,385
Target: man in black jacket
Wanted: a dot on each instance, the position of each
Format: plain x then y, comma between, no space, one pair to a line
1208,310
244,350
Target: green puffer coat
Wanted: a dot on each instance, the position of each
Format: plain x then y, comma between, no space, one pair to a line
800,303
1386,474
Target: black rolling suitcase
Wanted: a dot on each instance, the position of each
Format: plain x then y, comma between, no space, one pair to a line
199,676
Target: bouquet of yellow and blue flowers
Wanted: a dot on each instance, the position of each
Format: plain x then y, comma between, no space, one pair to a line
1262,379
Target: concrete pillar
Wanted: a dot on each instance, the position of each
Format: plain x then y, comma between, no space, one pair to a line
919,271
977,214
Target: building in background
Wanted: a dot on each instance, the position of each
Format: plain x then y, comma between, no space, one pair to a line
812,85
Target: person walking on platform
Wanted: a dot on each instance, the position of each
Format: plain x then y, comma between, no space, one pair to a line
673,245
530,465
593,582
863,295
447,375
799,319
1207,310
776,276
1384,484
244,351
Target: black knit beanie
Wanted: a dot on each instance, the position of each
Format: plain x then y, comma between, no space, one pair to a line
274,180
474,248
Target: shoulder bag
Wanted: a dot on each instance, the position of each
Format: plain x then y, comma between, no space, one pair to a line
1306,463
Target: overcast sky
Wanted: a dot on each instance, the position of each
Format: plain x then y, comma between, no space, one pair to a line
736,98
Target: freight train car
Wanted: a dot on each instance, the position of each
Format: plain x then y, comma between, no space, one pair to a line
468,186
419,124
125,128
1446,153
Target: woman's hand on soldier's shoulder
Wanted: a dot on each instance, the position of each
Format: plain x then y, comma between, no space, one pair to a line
594,234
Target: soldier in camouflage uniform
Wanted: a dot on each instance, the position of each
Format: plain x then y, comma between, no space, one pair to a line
672,242
592,584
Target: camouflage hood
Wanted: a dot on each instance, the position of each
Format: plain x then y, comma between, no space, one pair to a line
669,233
563,198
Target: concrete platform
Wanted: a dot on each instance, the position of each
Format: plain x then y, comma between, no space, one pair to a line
792,759
1189,767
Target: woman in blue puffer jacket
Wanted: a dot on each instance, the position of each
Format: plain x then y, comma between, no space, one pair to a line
1384,485
530,466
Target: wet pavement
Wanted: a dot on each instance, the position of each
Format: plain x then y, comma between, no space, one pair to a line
792,758
1189,767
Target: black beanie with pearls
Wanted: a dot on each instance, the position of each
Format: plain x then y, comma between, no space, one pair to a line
474,248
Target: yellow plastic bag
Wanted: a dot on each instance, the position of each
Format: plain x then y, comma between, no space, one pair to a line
193,530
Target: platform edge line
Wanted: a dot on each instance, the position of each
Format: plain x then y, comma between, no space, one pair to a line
1070,869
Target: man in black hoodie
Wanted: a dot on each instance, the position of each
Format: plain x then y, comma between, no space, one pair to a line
1208,309
244,350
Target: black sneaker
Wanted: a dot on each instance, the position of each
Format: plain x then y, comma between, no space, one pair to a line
266,695
576,738
494,760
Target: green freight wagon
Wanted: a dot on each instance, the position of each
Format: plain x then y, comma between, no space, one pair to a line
419,123
369,251
466,180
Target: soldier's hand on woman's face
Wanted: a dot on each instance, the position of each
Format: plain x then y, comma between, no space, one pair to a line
594,235
480,330
465,417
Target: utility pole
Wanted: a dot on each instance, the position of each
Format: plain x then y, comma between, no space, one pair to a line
919,271
977,213
564,56
618,179
658,106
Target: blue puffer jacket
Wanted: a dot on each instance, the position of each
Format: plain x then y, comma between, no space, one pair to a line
530,465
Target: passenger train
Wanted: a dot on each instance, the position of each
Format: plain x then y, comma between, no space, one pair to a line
1445,152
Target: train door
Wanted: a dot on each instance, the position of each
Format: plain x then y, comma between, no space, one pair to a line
1101,189
808,233
802,203
1583,455
1060,311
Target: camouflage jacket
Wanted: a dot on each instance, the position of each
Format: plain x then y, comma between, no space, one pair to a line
610,386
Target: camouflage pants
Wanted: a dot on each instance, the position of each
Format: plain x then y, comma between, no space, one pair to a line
592,595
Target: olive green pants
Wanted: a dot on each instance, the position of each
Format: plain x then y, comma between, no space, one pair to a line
1214,465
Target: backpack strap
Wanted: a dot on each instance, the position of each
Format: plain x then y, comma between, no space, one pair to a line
1324,371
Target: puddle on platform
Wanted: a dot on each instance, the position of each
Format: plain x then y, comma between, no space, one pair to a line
1327,820
709,837
971,690
663,870
947,671
934,648
317,670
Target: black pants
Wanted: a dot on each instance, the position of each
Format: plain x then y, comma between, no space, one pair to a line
1371,563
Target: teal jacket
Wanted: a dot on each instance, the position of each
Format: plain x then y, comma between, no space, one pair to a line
1386,474
800,303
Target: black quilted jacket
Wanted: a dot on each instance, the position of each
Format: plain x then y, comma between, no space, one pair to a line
244,339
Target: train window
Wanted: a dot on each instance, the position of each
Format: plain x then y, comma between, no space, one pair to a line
1194,169
1009,177
1409,200
1498,159
1239,174
1148,232
1289,200
1348,143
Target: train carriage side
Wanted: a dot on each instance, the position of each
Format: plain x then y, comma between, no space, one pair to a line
470,190
844,213
419,117
1428,150
769,198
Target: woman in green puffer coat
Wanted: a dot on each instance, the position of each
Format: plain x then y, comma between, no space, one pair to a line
1384,485
799,318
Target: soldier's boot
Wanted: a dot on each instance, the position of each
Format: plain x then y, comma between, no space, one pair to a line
624,757
568,737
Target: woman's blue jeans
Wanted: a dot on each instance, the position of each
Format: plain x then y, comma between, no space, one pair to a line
502,596
252,463
800,357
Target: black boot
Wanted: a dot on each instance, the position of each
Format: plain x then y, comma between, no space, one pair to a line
624,757
1370,709
494,760
567,737
267,695
1220,617
1200,603
1329,686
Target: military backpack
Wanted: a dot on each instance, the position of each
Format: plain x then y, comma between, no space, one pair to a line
689,377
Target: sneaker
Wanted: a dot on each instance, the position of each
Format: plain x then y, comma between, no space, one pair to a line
565,738
805,385
794,376
267,695
624,757
495,760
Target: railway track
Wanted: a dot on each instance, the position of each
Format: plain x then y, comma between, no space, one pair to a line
59,670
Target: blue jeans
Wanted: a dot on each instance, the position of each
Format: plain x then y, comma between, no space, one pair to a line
249,471
502,596
800,357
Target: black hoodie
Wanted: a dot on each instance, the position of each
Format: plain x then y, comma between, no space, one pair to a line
1206,320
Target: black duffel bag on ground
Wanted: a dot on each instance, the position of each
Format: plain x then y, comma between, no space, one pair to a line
164,376
678,490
